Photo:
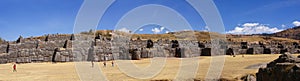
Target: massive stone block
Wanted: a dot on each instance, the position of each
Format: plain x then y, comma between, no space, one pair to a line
124,53
242,51
258,50
159,51
144,53
91,54
136,55
3,48
193,51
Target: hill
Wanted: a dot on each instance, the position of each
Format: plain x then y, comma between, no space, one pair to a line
292,33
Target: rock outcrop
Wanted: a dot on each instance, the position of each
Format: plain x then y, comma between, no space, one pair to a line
284,68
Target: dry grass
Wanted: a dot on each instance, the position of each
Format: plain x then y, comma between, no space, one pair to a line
234,68
260,38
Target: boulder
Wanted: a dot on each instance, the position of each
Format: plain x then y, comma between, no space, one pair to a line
284,68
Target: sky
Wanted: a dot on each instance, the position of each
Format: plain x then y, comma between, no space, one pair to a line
40,17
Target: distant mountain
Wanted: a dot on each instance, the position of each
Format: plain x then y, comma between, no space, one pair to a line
292,33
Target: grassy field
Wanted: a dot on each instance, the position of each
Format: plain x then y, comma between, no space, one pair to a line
234,67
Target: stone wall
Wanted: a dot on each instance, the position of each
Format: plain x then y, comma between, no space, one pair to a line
65,48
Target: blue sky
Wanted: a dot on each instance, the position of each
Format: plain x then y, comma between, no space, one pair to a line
40,17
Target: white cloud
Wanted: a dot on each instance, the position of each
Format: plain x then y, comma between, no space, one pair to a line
141,29
157,30
167,32
124,30
296,23
254,28
250,24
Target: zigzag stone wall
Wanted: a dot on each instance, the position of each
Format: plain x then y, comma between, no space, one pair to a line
64,48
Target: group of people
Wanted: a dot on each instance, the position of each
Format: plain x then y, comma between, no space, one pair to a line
112,63
104,63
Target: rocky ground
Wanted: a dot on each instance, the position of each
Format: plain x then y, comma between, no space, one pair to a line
234,69
285,68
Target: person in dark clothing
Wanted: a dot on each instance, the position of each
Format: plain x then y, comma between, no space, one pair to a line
92,63
112,63
104,63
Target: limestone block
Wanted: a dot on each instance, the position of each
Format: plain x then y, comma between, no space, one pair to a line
47,59
258,50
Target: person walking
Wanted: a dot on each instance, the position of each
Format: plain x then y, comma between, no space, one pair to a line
104,63
92,63
14,67
112,63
